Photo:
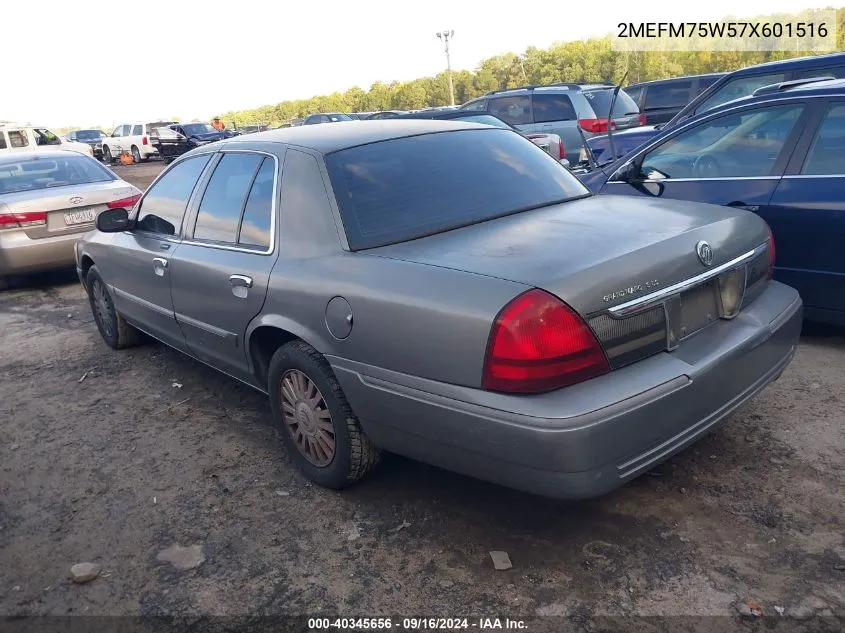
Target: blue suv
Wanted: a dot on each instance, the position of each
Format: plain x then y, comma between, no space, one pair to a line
728,87
779,153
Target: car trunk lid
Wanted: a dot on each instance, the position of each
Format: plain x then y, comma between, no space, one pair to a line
62,210
603,254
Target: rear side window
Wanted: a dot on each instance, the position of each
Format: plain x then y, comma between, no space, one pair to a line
600,101
475,106
827,154
738,88
553,107
18,138
705,82
256,223
406,188
163,208
672,94
224,198
514,110
137,130
835,71
2,140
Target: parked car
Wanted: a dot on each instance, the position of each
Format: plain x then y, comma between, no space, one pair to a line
198,134
328,117
47,200
385,114
133,138
560,109
660,100
779,153
93,138
550,143
739,83
168,143
16,138
395,289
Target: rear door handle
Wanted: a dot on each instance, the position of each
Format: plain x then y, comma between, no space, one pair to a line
159,266
741,205
240,280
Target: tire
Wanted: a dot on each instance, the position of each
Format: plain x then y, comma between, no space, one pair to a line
136,155
107,157
116,332
354,455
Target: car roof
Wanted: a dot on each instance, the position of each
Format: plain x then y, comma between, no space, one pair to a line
444,114
29,157
830,87
346,134
551,88
796,63
670,79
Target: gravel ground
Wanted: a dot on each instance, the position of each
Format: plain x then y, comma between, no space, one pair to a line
170,477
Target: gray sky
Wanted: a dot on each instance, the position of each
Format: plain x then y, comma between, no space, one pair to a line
184,58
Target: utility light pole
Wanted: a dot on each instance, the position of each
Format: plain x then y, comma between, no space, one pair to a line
445,36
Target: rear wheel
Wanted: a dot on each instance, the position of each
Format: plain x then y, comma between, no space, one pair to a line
317,425
136,155
116,332
107,158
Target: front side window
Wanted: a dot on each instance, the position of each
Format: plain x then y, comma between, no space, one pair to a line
475,106
735,145
553,107
514,110
224,198
827,153
406,188
118,131
44,136
18,138
738,88
162,209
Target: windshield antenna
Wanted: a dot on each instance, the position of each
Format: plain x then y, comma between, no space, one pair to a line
610,116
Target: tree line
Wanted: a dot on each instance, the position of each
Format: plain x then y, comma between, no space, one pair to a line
590,61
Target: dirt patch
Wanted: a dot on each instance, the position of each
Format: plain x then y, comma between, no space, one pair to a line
117,467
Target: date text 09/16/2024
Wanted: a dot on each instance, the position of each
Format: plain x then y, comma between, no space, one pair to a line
414,624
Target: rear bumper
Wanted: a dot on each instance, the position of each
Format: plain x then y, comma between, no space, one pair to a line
587,439
20,254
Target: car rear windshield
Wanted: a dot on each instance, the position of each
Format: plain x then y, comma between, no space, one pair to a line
407,188
600,101
44,173
486,119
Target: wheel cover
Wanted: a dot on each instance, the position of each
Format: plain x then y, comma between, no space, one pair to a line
307,418
102,308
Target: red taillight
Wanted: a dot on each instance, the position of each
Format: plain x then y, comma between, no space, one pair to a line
145,141
594,125
561,150
22,219
771,254
538,343
642,119
124,203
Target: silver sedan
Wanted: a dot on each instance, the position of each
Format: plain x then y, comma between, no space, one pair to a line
391,287
47,200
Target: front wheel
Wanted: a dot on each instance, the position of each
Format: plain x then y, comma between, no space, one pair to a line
317,425
116,332
107,159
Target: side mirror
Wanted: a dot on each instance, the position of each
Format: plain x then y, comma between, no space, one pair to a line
113,221
565,162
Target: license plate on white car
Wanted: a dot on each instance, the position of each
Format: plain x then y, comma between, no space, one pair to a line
83,216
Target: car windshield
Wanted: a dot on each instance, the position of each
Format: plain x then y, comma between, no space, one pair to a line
339,117
600,102
406,188
89,135
198,128
29,174
486,119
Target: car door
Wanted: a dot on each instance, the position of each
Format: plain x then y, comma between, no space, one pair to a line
221,271
138,264
735,158
115,141
807,216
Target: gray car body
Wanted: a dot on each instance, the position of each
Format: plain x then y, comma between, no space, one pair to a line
419,316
